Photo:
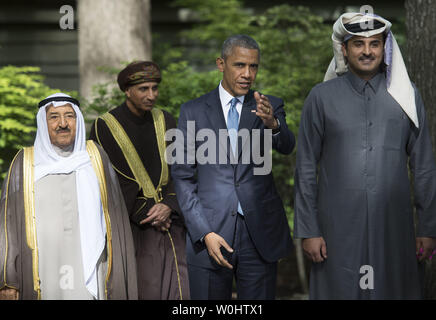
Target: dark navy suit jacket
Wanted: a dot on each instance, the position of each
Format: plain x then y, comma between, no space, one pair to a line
208,193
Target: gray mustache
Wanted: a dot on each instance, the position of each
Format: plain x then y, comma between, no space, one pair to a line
62,130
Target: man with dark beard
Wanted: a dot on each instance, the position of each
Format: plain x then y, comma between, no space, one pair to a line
359,131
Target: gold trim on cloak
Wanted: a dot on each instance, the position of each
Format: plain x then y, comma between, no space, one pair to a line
137,167
97,164
6,225
29,214
131,155
29,209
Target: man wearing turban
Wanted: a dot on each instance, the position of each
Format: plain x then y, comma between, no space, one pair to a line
63,221
133,135
360,131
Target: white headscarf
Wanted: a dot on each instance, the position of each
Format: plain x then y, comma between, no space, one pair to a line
398,82
91,218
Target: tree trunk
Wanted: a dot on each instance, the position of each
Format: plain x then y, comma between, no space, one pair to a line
421,43
111,33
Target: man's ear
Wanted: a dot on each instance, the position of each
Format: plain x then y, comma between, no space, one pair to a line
220,64
344,49
127,92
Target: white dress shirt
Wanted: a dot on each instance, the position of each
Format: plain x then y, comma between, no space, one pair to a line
226,98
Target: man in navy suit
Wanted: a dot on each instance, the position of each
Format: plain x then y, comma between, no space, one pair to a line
235,218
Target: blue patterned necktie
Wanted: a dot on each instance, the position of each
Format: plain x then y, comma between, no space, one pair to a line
233,123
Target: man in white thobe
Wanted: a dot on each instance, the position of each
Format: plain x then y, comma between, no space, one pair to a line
75,223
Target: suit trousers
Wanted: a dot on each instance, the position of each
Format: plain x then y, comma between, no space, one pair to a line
255,278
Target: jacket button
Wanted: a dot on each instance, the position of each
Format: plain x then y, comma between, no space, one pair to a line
233,213
236,184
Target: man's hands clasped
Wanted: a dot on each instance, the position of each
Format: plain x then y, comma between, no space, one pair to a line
159,217
9,294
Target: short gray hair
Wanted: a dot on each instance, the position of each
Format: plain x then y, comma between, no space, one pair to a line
238,40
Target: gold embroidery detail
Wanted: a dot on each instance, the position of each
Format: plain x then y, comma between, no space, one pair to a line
97,164
159,125
142,206
125,176
177,265
6,225
99,142
133,159
29,213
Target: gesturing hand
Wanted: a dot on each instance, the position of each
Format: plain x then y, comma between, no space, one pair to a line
265,111
213,243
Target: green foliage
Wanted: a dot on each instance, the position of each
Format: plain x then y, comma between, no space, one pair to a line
106,97
217,20
21,89
399,30
182,83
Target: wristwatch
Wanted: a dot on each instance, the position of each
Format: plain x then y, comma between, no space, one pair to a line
276,130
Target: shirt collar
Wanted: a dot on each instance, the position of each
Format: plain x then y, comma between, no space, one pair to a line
226,97
359,84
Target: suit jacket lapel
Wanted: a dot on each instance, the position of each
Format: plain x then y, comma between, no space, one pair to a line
247,116
216,118
215,111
